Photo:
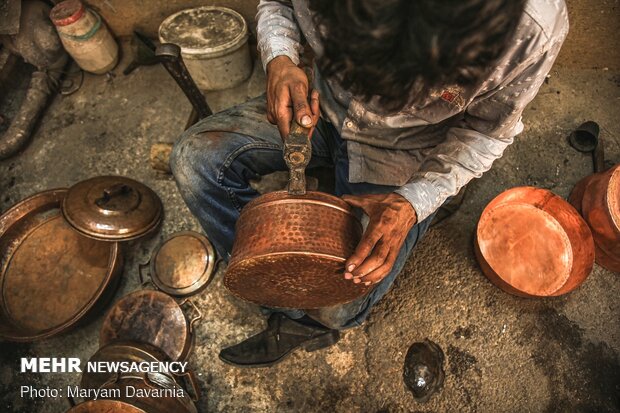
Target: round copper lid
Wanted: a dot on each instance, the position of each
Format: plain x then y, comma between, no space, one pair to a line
112,208
183,264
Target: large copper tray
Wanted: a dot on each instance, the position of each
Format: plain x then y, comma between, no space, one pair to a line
530,242
290,250
51,277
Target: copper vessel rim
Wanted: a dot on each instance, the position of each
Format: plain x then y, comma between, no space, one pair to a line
613,187
111,269
304,199
303,253
113,238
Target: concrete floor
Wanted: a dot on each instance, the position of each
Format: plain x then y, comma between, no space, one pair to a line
503,354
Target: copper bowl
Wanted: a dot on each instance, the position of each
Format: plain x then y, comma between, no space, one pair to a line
599,198
290,250
532,243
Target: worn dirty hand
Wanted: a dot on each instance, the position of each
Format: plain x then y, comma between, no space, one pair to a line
390,218
287,96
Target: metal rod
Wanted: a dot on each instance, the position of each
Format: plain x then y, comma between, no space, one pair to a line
169,55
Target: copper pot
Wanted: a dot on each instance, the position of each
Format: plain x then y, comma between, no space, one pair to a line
597,197
121,351
290,250
51,276
155,318
532,243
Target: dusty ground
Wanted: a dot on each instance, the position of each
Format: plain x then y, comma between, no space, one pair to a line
503,354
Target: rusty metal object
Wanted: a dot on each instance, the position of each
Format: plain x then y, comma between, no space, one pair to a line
289,251
126,351
52,277
532,243
151,317
113,208
182,265
597,197
297,154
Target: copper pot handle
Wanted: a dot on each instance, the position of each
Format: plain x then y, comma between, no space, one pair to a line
113,191
195,318
142,274
190,379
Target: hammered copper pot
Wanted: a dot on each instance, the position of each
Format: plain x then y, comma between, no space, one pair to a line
597,197
290,250
532,243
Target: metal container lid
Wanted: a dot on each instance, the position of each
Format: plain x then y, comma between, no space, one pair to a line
183,264
113,208
206,30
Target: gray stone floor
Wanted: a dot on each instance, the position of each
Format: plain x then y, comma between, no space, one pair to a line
503,354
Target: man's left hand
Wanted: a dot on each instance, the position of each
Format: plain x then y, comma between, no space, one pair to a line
391,217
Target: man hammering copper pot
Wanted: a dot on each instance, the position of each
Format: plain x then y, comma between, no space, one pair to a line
310,237
408,102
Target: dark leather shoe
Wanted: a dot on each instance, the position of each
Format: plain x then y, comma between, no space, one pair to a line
281,337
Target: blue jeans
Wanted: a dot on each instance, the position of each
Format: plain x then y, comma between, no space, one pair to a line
214,161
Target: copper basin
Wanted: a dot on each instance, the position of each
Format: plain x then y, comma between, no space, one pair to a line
597,197
290,250
532,243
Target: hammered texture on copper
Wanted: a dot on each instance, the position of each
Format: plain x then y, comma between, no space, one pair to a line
151,317
53,275
289,251
293,281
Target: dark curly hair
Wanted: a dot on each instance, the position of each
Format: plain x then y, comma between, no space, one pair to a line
398,49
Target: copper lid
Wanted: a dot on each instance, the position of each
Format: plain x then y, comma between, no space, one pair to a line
112,208
183,264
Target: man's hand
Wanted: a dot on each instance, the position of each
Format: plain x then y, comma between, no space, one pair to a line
391,218
287,96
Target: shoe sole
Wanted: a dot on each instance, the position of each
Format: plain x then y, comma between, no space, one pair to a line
312,345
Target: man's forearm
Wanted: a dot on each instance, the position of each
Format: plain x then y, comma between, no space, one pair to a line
277,32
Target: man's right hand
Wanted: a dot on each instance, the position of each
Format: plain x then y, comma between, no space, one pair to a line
287,96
